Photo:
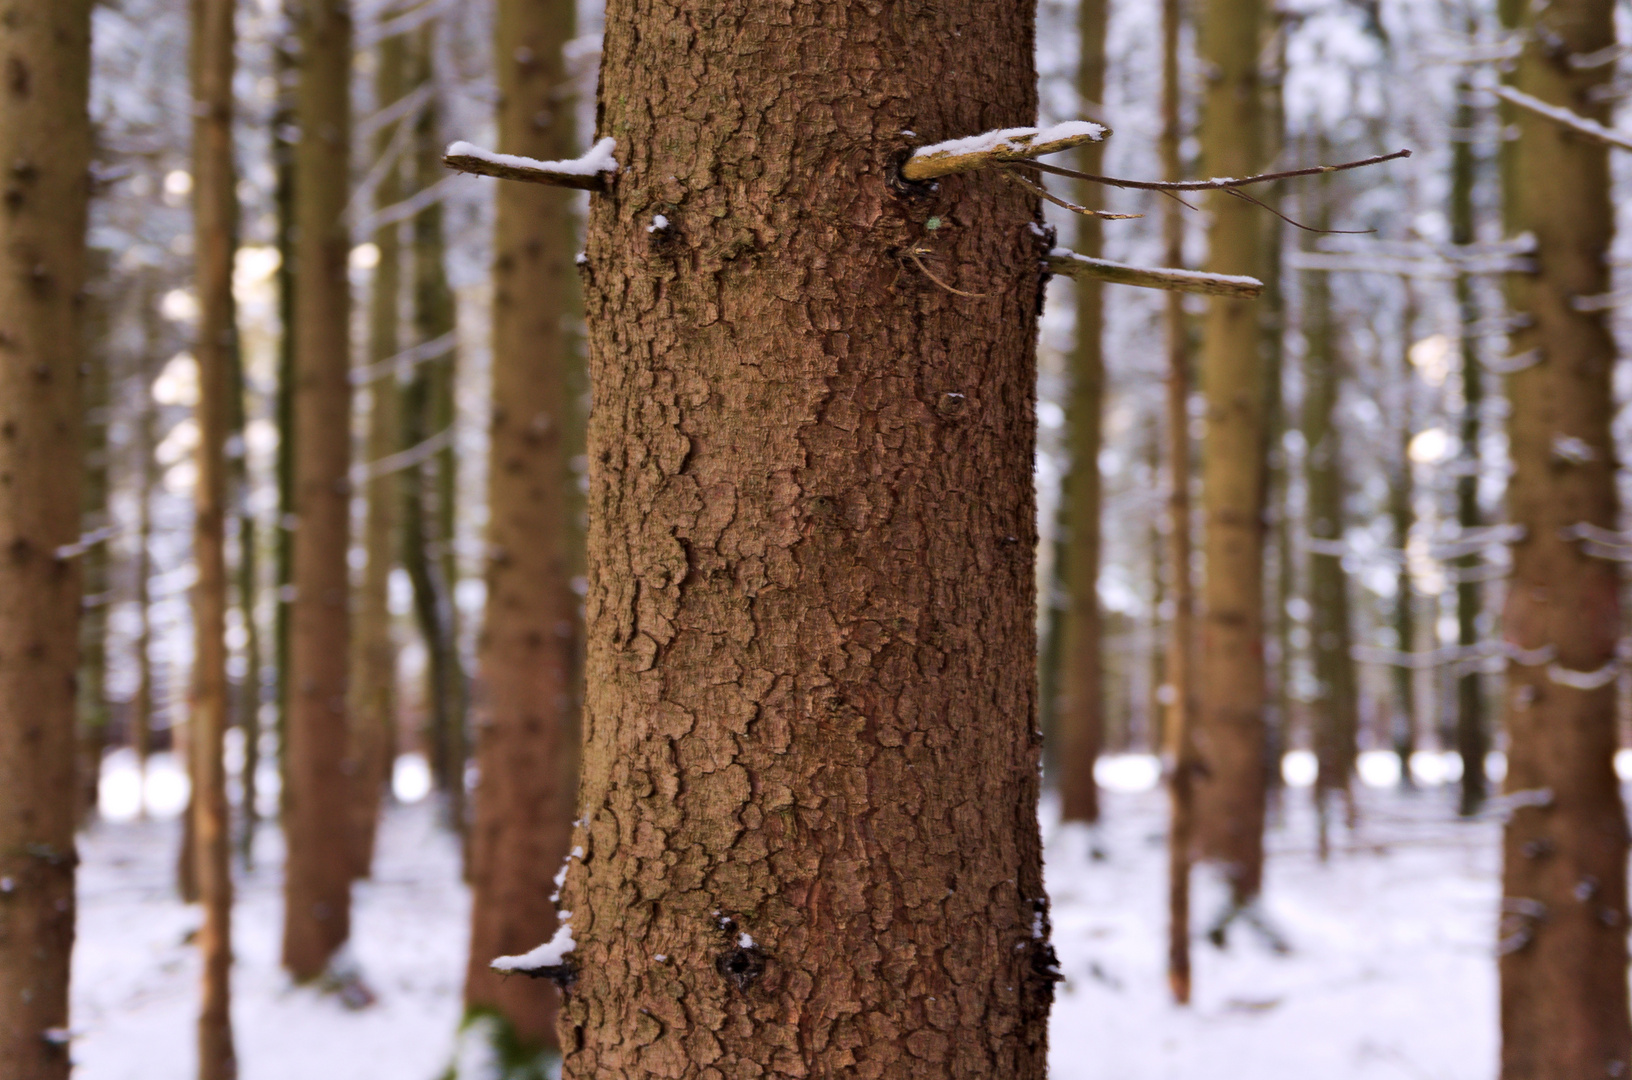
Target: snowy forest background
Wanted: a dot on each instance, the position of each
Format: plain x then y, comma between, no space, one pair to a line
1388,967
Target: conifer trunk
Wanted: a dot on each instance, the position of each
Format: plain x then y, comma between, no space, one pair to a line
809,790
1563,946
94,518
1230,717
317,889
1082,714
374,653
527,697
1400,497
215,213
248,590
45,148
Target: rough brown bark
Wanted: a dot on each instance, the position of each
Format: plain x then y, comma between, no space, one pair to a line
374,652
1082,708
1230,718
809,786
317,888
1179,747
527,698
45,145
215,213
1563,945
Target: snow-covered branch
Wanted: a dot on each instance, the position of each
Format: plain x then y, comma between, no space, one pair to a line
1067,262
1567,118
587,173
998,147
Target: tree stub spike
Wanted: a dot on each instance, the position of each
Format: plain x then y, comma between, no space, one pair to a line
1069,263
588,173
997,148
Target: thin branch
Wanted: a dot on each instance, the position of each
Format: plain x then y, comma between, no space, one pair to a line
1000,147
587,173
1069,263
913,255
407,359
1568,118
1244,197
1057,201
407,208
1216,184
363,472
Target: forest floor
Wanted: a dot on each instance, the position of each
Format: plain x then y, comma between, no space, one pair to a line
1390,972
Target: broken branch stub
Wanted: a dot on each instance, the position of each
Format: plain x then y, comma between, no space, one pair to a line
1069,263
999,147
591,172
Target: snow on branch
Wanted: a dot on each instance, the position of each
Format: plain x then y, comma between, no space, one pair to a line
587,173
1067,262
1567,118
548,961
998,147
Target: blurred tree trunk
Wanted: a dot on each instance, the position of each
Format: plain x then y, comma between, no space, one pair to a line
1472,742
1563,942
45,145
527,696
94,521
215,215
141,702
286,71
374,652
1400,497
1179,749
1082,714
1272,332
1335,710
317,915
248,591
1230,718
428,406
811,581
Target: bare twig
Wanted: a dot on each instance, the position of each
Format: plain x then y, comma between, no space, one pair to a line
1069,263
913,255
1244,197
998,148
1567,118
1057,201
1216,184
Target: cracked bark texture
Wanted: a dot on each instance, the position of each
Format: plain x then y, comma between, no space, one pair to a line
527,692
809,789
1563,929
45,145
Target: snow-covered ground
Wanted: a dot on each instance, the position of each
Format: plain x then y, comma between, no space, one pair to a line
1391,973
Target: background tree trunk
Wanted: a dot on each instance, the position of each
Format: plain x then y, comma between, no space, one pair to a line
1082,713
527,696
1230,729
94,521
811,591
1400,497
317,889
1563,933
45,143
215,214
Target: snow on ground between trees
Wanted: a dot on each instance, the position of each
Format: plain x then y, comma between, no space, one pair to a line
1392,974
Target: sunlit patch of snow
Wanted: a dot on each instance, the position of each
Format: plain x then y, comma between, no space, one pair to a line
1127,773
1433,767
411,778
120,789
1299,768
1379,768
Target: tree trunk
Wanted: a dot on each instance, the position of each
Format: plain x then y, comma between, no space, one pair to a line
317,889
1335,710
248,589
374,652
215,216
1230,717
141,702
94,520
810,760
1563,945
283,127
1180,746
1082,713
527,696
1271,333
45,145
1400,507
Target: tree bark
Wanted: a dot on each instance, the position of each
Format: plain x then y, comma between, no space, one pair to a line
45,145
317,889
1179,748
1230,719
1563,948
809,788
527,696
1082,713
215,215
374,652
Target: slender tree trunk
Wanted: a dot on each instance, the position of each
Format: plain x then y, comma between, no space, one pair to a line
428,536
317,890
1271,333
1335,712
1082,716
811,592
1180,745
286,70
374,652
248,590
94,519
1400,507
1471,739
45,145
1563,944
141,703
527,697
215,215
1230,717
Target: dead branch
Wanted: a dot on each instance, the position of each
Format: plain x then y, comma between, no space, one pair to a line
1567,118
997,148
1218,183
1070,264
588,173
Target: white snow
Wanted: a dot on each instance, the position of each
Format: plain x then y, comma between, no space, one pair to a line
553,953
599,159
659,223
745,941
1016,138
1167,271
